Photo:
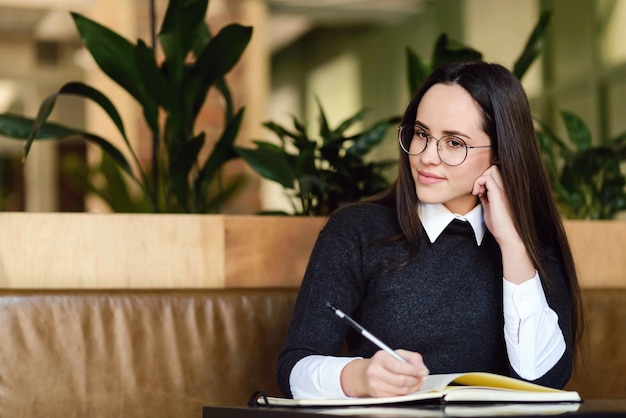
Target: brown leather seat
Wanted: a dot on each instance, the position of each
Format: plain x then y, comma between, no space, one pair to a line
152,353
600,372
167,353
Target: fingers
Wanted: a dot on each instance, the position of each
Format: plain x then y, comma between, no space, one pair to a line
416,360
389,377
489,180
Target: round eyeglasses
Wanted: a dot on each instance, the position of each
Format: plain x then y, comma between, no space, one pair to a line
451,149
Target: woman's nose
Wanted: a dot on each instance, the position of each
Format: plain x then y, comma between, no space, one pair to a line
431,153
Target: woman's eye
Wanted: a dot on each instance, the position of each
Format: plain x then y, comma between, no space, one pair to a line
454,143
421,135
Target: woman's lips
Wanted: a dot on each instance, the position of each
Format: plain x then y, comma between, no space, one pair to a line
428,178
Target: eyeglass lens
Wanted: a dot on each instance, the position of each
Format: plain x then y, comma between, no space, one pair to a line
452,150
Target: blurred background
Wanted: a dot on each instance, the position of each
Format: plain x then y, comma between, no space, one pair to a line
349,54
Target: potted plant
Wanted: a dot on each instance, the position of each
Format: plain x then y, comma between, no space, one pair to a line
587,179
319,174
448,50
170,94
179,246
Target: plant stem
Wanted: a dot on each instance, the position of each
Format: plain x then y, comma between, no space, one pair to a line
155,137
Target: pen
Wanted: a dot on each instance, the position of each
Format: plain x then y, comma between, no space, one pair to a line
365,332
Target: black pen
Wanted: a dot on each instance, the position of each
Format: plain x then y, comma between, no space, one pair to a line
365,333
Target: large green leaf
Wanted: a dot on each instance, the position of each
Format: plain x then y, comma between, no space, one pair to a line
63,132
365,141
300,127
282,132
269,161
156,85
120,197
115,56
577,130
155,80
325,132
218,57
19,127
447,51
201,39
618,143
535,45
113,191
346,124
87,92
178,33
222,152
416,70
181,163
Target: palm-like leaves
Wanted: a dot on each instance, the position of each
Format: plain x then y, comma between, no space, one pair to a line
176,89
446,51
321,174
586,178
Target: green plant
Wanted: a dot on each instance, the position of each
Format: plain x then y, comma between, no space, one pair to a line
587,180
321,174
171,95
446,51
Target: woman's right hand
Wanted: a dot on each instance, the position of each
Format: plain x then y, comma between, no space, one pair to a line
383,375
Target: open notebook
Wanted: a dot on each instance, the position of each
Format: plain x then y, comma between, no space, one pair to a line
456,387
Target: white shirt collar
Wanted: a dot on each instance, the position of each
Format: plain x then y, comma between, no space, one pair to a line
436,217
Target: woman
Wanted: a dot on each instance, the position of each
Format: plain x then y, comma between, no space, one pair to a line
463,265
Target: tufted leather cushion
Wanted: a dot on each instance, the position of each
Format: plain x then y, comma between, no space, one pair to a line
600,372
156,353
167,353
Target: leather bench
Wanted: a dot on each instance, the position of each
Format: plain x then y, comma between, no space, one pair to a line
167,353
600,370
136,353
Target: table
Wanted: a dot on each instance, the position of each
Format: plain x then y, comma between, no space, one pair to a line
587,409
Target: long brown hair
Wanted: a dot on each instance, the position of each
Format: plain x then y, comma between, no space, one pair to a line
507,120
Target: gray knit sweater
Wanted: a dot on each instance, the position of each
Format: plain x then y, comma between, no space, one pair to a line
446,304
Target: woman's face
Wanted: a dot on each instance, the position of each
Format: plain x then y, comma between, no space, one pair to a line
450,110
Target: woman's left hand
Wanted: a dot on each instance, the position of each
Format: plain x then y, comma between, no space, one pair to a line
489,189
517,266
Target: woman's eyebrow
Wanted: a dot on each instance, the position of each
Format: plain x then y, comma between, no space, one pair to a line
422,125
445,132
457,133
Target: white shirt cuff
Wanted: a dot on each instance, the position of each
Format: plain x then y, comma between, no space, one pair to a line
533,338
524,300
318,377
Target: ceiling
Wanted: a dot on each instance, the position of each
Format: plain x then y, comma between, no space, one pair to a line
48,19
347,11
290,19
45,19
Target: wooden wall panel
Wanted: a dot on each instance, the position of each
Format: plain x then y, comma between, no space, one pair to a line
599,249
81,250
267,251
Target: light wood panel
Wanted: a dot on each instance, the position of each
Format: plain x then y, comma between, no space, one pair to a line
265,251
81,250
110,250
599,249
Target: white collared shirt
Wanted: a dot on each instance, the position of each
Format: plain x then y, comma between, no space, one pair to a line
436,217
533,338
